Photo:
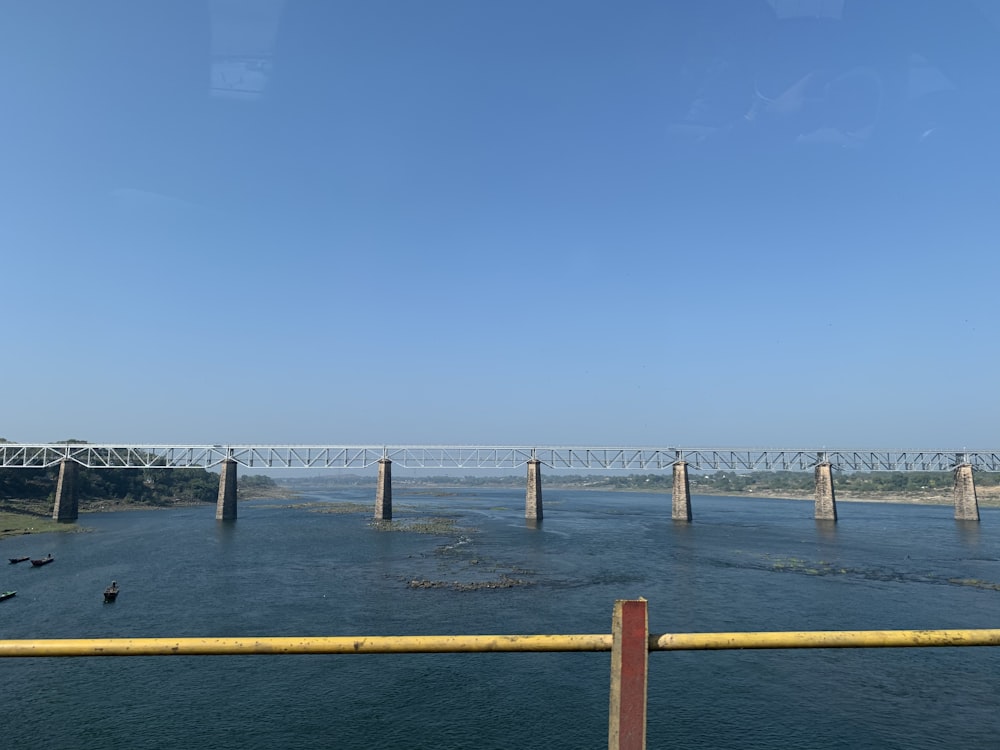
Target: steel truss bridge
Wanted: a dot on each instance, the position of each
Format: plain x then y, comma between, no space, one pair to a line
96,456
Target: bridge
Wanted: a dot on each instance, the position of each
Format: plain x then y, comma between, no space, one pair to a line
70,456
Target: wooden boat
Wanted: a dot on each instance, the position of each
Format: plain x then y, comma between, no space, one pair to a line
43,561
15,560
6,595
111,592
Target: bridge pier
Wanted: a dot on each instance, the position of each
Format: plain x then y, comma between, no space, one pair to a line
681,505
826,501
225,508
966,502
66,507
533,497
383,491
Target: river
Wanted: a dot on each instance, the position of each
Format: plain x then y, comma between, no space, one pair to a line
288,568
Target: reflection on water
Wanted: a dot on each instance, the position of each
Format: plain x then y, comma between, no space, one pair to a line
826,530
480,567
968,533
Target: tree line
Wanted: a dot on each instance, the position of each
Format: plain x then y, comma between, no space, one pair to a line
150,487
719,482
157,487
787,481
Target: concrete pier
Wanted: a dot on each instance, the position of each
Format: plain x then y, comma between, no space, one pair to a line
225,508
383,492
66,507
681,510
966,502
826,501
533,497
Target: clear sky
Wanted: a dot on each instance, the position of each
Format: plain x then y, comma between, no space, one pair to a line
569,222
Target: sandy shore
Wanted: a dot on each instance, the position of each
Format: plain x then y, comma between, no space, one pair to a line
987,496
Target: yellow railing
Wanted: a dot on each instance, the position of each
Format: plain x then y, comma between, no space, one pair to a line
410,644
823,639
629,643
467,644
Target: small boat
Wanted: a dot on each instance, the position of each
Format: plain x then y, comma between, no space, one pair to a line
15,560
6,595
111,592
43,561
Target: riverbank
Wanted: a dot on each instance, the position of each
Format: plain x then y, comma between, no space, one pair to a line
18,524
18,517
988,497
22,517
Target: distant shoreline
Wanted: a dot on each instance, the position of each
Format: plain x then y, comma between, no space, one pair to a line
31,520
895,498
988,497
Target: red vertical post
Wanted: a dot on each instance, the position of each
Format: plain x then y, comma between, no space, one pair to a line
629,658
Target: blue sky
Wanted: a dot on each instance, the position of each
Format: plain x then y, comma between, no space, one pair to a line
586,223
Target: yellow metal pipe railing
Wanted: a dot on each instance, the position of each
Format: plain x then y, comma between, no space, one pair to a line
629,644
454,644
411,644
824,639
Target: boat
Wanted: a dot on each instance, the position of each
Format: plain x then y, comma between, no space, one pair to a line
111,592
43,561
15,560
6,595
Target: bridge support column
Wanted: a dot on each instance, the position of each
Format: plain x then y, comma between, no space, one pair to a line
826,501
681,510
383,491
533,497
966,502
225,508
66,507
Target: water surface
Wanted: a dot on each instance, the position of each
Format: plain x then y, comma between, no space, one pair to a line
743,564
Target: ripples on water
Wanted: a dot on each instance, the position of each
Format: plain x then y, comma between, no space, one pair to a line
742,565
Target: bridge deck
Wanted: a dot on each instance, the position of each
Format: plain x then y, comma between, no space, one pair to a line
103,456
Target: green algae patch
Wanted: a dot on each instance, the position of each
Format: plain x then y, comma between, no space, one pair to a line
337,507
17,524
503,582
321,507
825,568
975,583
803,567
437,526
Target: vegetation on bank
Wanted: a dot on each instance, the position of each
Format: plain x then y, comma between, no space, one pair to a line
137,487
16,524
719,482
31,490
27,497
856,483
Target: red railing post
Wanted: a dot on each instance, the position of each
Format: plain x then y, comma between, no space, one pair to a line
629,658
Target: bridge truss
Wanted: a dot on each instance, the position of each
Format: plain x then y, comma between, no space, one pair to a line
95,456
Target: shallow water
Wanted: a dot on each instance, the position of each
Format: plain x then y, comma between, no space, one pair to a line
743,564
